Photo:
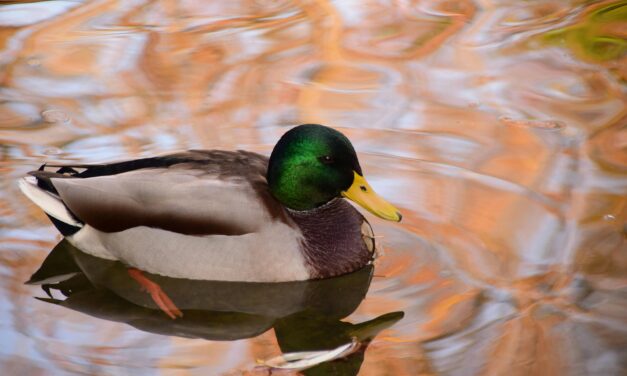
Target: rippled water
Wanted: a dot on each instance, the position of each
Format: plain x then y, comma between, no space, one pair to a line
498,127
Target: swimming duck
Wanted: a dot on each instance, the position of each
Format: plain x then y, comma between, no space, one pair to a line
221,215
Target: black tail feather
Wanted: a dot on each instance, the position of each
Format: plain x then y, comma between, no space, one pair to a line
64,228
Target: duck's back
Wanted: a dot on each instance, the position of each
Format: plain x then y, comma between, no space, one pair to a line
196,192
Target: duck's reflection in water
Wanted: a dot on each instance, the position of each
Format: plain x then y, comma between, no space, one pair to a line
306,316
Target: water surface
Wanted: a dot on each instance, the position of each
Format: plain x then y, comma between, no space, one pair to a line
499,128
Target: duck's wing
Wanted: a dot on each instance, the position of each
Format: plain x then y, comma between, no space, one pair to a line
196,192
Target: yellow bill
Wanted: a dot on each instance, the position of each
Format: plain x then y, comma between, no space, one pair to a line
362,193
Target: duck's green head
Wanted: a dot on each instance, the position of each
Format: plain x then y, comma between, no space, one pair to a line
313,164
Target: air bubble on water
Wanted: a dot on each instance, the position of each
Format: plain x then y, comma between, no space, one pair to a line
34,62
537,124
52,151
445,273
55,116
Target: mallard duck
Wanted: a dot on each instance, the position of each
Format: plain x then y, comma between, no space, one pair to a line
221,215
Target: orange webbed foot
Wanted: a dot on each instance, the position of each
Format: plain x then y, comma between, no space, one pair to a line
161,299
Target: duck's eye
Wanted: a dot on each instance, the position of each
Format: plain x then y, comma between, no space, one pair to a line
326,159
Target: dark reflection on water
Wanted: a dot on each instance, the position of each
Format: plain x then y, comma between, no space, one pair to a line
306,316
